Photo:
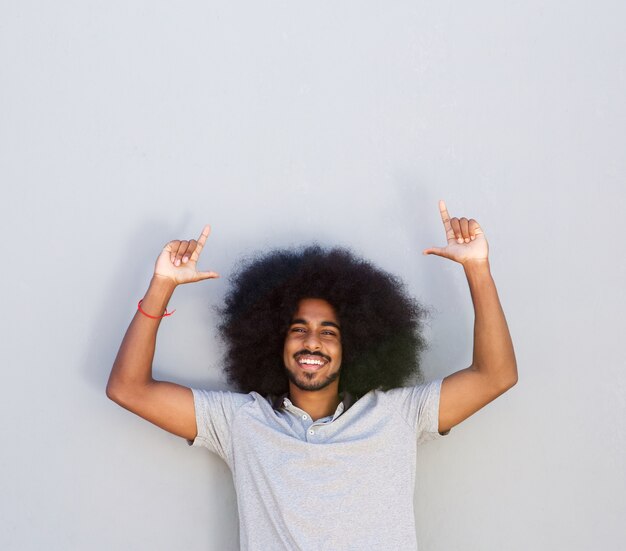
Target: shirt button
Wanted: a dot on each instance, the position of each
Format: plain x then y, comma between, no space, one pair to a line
305,417
311,432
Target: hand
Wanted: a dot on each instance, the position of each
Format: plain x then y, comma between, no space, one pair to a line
178,260
466,240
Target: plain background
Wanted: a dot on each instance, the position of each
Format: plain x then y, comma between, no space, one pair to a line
126,124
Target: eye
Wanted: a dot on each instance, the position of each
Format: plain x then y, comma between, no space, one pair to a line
298,329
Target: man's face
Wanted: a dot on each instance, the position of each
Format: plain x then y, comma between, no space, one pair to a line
312,352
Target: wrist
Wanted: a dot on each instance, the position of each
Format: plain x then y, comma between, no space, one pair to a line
154,303
161,289
163,283
477,267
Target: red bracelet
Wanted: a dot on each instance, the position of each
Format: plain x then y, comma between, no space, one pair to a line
154,317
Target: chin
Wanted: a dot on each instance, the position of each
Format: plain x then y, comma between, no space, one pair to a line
311,383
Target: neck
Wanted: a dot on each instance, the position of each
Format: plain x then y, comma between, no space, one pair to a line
317,403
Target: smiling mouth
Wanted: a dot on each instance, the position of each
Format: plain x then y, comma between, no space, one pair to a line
311,363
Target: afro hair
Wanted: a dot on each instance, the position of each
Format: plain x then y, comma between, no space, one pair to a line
380,324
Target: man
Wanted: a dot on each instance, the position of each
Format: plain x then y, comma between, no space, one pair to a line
321,438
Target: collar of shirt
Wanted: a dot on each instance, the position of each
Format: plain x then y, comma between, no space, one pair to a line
347,399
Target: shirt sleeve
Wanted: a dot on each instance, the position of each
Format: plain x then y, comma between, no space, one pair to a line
419,407
215,412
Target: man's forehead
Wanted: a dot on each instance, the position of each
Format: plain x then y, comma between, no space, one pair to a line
315,310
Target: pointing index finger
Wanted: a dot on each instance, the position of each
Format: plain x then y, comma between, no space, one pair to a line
445,218
205,233
201,241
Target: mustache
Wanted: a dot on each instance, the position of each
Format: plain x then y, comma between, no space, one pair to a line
309,353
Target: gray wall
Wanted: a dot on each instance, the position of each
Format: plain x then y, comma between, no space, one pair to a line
126,124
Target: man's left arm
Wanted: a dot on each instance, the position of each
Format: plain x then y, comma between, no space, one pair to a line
494,369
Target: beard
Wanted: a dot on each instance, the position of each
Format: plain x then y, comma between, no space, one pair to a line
306,381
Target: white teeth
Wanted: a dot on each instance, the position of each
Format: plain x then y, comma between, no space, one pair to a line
311,362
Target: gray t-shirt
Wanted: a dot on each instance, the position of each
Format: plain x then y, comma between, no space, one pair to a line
342,483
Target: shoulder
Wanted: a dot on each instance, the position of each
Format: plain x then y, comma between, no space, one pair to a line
418,405
418,392
220,399
400,395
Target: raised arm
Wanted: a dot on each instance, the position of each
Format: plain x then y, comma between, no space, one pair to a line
494,369
131,385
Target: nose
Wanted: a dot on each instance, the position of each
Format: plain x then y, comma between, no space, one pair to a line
312,341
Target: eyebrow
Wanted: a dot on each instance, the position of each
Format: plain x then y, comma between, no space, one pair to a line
324,323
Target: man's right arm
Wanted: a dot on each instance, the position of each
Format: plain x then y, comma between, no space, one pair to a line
131,385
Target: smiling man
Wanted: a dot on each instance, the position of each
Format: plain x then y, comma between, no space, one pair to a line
322,433
312,357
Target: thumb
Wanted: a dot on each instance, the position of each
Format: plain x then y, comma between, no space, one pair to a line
200,276
436,251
